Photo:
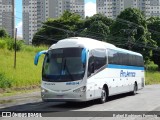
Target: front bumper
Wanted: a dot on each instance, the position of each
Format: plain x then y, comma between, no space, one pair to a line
69,96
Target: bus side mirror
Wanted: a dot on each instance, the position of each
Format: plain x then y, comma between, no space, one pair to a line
36,59
84,56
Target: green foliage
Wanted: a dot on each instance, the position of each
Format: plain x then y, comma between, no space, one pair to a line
3,33
97,17
70,17
152,77
97,27
5,82
26,74
69,25
19,45
10,45
154,27
11,78
151,67
2,44
56,29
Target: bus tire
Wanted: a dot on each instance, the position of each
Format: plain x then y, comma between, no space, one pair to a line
104,96
134,92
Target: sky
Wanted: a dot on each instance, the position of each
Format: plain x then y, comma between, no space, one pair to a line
90,9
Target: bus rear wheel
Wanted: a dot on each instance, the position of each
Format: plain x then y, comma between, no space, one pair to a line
104,96
134,92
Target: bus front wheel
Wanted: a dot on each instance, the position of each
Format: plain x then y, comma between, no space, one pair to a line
104,96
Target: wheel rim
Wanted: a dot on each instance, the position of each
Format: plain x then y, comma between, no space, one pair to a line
103,95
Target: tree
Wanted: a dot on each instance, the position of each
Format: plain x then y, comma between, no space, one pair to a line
56,29
71,25
98,30
154,28
130,31
3,33
97,27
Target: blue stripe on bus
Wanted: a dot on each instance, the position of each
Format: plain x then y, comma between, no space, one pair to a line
124,67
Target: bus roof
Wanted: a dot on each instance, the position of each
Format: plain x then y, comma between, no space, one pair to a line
81,42
87,43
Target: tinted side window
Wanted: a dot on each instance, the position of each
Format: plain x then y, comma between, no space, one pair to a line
120,58
139,61
90,63
99,58
112,54
124,57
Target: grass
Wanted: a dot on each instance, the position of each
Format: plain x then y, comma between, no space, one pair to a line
152,77
152,74
26,74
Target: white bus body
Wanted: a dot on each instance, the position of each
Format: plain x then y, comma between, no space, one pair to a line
105,70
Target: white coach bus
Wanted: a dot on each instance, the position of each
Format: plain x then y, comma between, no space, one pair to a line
83,69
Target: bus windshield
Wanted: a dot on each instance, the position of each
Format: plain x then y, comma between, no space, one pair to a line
63,65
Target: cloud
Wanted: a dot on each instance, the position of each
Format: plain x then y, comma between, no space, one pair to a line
19,29
90,9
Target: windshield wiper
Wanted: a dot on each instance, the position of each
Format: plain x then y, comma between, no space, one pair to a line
66,67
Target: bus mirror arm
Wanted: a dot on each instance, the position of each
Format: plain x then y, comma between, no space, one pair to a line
36,59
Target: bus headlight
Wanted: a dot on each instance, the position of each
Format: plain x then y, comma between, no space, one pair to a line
81,89
43,90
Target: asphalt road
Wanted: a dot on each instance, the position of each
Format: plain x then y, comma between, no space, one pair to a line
147,99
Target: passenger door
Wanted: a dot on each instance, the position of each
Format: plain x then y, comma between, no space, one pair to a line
97,64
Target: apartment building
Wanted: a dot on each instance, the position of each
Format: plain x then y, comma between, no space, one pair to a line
112,8
154,9
37,11
7,16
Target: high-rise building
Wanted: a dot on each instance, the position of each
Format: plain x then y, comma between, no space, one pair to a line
37,11
7,16
112,8
154,8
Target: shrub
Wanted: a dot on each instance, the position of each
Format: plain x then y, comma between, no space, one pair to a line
11,45
18,45
3,33
5,82
2,44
